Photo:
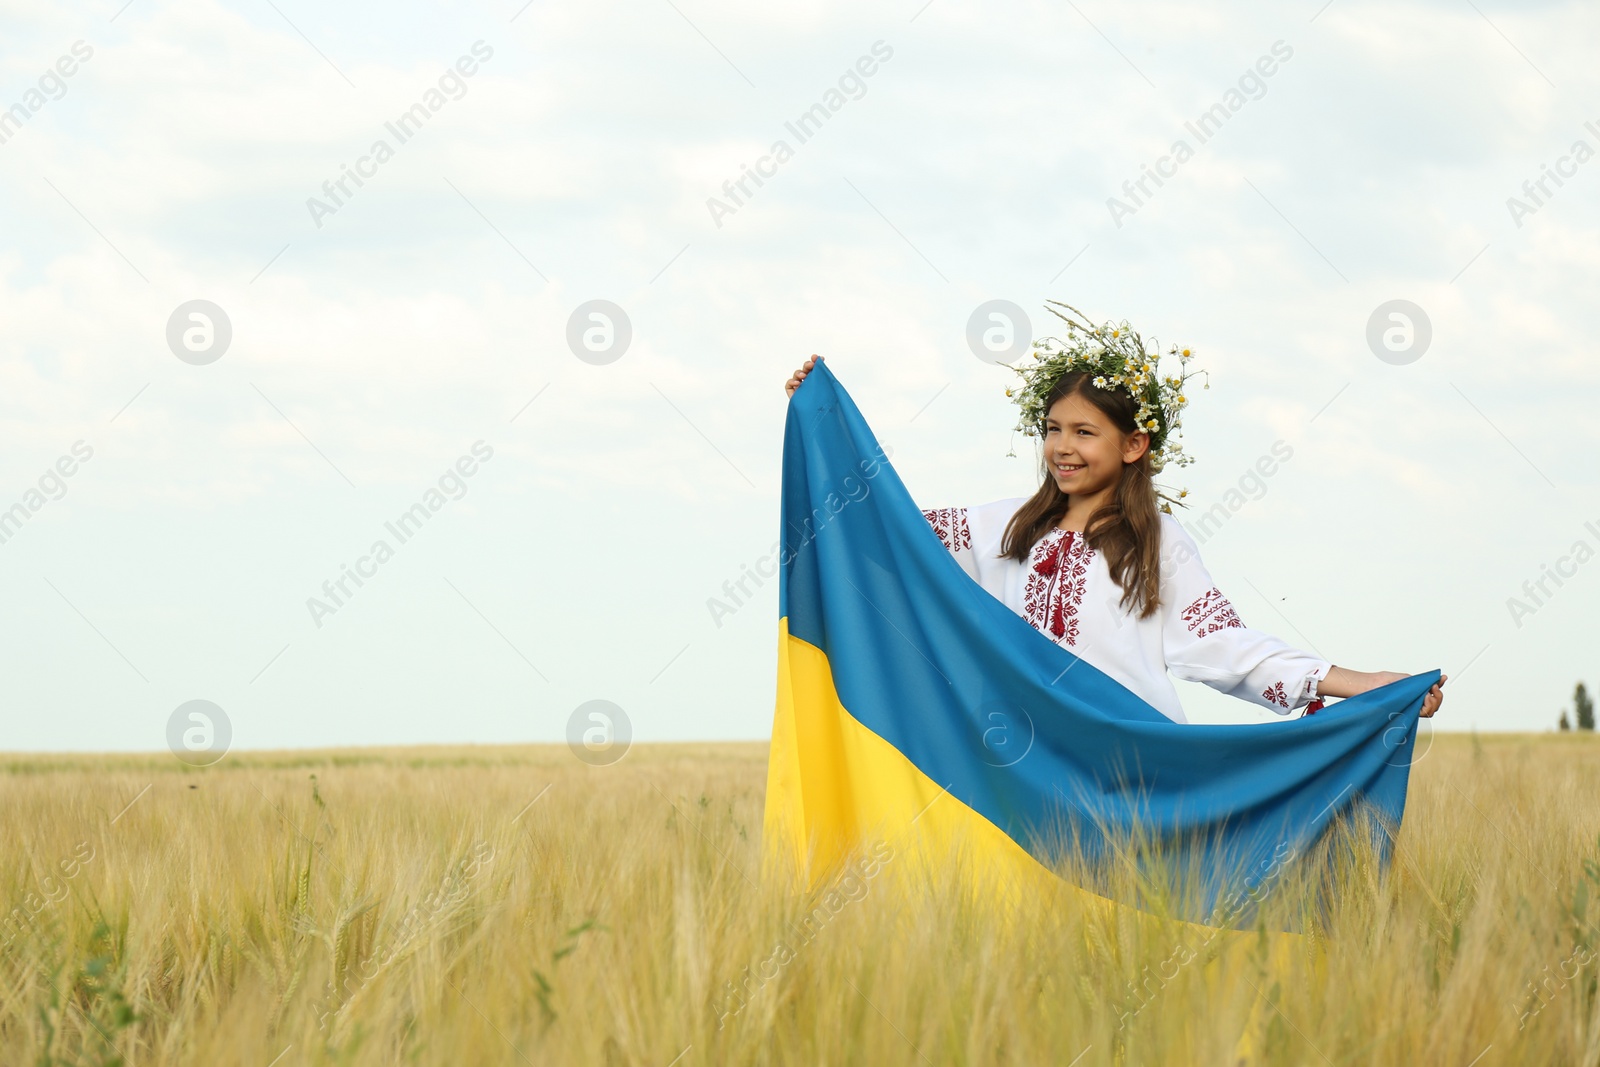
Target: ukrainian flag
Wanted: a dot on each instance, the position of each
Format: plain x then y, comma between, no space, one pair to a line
915,708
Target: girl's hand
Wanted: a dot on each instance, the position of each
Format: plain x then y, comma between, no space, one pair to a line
1430,703
800,375
1343,682
1435,697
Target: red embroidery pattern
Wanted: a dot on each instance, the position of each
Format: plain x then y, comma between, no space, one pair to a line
951,526
1277,695
1055,586
1210,612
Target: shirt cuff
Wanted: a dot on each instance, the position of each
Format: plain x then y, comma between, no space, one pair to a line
1316,703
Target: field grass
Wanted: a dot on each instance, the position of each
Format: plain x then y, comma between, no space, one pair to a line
511,905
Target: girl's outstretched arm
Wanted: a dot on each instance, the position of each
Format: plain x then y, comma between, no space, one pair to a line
1204,640
1343,682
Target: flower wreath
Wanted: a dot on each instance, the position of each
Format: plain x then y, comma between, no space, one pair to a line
1118,358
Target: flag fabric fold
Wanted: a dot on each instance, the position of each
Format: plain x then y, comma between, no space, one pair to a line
913,705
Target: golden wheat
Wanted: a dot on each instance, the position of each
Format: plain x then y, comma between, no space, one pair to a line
472,906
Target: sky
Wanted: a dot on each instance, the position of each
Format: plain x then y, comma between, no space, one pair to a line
423,336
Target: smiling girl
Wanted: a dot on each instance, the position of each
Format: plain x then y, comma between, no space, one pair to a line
1094,561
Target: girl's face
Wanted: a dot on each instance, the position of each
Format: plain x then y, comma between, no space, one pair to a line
1083,451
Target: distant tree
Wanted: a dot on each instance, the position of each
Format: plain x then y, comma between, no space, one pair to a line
1565,725
1584,707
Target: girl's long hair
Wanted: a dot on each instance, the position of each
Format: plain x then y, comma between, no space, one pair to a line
1127,530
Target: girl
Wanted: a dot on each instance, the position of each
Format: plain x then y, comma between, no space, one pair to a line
1091,561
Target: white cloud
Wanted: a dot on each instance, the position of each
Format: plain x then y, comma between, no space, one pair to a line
408,326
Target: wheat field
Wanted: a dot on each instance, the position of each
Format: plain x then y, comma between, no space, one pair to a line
511,905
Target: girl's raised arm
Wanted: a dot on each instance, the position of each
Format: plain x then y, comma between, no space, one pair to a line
950,524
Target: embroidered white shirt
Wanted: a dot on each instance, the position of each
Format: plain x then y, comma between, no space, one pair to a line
1066,591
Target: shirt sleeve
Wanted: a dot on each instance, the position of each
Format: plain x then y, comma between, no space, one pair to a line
1204,640
951,526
